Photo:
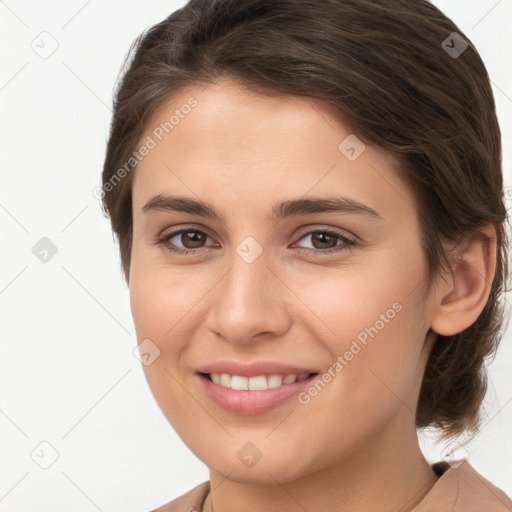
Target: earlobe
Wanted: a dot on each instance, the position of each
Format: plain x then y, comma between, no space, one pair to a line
462,297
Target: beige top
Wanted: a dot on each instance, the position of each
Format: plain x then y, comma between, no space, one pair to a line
458,489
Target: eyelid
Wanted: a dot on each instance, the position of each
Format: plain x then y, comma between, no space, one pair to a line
177,230
165,236
348,242
307,230
338,231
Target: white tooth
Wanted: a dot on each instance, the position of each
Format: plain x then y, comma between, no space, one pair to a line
239,382
258,383
225,380
274,381
290,379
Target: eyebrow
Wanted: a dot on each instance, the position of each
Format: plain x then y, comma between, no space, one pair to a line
303,206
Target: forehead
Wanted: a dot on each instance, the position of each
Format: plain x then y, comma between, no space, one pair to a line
225,140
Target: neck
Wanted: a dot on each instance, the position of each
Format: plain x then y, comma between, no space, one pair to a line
388,475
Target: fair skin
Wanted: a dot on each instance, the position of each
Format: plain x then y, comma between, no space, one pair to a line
354,446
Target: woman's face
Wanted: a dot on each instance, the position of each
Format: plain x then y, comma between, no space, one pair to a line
258,284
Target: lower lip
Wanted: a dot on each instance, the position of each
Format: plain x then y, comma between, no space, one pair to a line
252,402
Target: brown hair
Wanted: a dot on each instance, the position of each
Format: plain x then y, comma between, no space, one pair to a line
395,72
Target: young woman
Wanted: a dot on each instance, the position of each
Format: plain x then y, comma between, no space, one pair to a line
309,205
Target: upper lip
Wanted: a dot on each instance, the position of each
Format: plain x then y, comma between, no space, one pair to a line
253,369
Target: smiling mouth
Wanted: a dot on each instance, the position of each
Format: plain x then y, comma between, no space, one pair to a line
257,383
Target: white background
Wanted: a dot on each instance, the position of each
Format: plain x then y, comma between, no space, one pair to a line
68,375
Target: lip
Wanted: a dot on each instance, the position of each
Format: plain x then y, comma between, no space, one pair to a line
254,368
251,403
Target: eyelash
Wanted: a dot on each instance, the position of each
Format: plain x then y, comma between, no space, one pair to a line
349,243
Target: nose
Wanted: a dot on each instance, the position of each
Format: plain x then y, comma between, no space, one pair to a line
250,302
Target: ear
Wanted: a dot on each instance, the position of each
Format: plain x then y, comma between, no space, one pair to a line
462,297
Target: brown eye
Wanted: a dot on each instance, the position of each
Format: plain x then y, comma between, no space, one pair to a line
322,240
191,240
327,241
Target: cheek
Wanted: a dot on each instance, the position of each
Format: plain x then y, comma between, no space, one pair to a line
157,309
379,371
373,327
160,300
370,384
166,308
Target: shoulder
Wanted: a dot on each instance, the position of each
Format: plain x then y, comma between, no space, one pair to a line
192,501
460,488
